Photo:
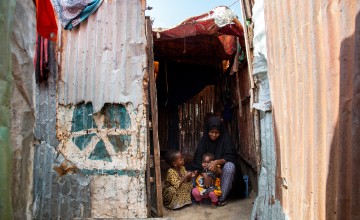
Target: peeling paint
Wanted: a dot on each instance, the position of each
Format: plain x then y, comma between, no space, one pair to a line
101,114
110,139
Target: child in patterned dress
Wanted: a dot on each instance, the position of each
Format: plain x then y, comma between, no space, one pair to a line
213,190
177,187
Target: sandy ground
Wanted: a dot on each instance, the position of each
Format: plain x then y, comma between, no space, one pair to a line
234,210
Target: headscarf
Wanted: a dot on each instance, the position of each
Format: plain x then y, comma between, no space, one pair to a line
222,148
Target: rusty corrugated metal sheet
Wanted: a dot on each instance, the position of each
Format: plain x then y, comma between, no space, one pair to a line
110,42
247,148
314,68
101,115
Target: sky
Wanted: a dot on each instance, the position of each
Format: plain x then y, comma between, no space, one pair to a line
169,13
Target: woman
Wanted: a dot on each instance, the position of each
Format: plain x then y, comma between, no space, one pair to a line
217,141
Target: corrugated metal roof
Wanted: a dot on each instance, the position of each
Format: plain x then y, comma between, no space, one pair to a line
103,60
314,69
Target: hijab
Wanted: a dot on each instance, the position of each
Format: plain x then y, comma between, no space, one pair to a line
222,148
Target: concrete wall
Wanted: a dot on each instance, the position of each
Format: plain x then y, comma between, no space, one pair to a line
22,106
6,12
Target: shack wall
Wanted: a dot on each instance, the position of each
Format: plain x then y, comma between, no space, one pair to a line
314,71
101,114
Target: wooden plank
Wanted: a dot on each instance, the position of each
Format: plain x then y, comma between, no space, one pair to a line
154,113
248,54
247,7
148,173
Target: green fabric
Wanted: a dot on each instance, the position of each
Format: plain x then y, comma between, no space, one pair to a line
6,15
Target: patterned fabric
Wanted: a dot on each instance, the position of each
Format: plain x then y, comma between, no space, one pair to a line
72,12
198,197
174,195
215,187
227,178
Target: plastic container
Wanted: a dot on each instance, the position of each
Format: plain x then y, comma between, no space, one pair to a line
246,180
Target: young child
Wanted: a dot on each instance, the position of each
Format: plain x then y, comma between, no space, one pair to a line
213,192
177,187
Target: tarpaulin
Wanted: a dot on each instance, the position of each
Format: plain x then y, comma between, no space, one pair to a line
217,21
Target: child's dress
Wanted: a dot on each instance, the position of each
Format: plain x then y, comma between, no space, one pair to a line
176,196
214,188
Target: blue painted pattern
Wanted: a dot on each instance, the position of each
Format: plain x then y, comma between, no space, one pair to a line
86,130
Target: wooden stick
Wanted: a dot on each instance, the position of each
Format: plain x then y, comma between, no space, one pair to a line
154,111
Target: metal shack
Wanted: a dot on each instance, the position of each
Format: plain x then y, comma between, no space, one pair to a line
86,138
308,55
80,127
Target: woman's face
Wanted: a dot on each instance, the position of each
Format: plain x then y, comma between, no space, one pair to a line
214,134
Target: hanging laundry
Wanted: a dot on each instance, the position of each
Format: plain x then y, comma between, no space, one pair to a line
72,12
46,24
41,59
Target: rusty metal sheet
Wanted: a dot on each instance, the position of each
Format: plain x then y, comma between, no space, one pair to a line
104,59
314,71
101,115
100,88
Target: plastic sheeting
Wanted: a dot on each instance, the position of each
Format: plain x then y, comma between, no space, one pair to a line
217,21
6,12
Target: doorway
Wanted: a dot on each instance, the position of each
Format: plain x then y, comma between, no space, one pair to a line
182,120
197,76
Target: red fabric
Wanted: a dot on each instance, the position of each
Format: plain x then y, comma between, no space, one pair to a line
229,43
45,20
204,25
41,59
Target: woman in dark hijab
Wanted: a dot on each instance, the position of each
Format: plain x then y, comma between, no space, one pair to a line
217,141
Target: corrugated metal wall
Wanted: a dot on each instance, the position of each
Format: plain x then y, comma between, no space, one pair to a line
314,69
101,114
245,120
54,196
103,60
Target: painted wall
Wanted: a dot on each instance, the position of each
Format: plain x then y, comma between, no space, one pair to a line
100,114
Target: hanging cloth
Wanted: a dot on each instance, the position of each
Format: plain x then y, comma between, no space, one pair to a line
72,12
46,24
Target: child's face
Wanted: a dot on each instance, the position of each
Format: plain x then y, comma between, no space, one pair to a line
206,161
179,161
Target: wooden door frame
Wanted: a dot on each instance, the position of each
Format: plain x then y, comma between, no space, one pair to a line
158,209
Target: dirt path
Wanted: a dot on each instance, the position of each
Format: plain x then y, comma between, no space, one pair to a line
234,210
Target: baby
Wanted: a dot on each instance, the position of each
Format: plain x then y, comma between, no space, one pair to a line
213,191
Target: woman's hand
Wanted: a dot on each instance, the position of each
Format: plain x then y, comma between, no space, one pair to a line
194,174
212,166
207,180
